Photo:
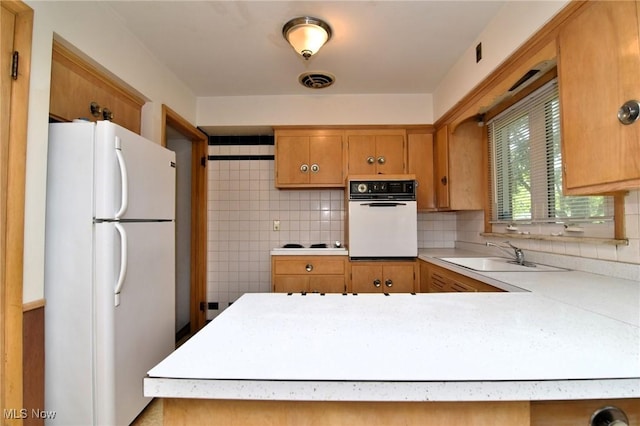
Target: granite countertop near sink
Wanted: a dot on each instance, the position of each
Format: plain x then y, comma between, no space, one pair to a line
615,298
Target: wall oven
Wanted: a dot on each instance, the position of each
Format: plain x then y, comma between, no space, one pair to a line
382,217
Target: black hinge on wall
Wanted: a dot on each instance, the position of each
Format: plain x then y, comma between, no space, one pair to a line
203,306
14,65
203,161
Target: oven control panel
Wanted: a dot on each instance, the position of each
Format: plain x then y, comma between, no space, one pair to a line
382,190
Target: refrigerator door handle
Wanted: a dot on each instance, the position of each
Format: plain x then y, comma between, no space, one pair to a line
123,262
124,204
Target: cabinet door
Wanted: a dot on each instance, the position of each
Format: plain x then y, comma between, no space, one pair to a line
599,59
325,158
460,167
466,164
424,276
290,284
327,284
390,154
421,164
398,278
75,85
362,154
366,278
292,160
442,167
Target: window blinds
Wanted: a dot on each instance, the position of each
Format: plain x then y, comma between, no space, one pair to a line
526,164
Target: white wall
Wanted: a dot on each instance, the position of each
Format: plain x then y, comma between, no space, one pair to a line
94,30
516,22
315,110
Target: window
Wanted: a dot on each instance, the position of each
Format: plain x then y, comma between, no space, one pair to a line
526,163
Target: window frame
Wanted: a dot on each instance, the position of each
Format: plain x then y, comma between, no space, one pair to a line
618,197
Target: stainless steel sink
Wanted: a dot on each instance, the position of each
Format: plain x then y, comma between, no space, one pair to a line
498,264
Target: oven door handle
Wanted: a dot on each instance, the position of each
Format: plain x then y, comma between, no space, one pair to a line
383,204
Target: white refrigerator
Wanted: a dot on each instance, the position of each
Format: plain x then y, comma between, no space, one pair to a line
109,270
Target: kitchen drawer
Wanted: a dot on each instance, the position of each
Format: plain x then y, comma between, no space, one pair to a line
311,283
309,266
316,274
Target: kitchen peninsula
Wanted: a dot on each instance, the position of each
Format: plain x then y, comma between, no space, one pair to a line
378,359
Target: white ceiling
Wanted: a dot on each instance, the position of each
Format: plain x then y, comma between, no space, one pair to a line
231,48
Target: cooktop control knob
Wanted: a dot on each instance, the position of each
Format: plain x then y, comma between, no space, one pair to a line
362,187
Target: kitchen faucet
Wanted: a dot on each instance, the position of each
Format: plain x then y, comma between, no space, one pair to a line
517,253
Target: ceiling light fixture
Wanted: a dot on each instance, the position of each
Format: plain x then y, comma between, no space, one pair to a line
306,35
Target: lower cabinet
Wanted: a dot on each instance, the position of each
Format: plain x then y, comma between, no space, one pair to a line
570,413
383,277
314,274
435,279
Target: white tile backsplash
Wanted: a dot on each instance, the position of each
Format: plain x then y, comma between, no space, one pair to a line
243,202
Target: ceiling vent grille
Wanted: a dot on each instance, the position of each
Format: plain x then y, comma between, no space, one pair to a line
316,80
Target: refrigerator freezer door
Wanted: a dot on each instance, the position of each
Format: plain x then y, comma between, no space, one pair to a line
135,178
137,334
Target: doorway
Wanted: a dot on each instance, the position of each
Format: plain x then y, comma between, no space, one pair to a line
190,146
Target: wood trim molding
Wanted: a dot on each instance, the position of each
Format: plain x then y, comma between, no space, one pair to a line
35,304
76,62
12,202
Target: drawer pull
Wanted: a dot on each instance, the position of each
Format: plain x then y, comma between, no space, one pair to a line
629,112
609,416
376,283
309,267
388,283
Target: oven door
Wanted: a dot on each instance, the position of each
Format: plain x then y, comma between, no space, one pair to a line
383,229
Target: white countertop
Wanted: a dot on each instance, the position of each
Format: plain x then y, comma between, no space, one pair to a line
555,335
612,297
473,347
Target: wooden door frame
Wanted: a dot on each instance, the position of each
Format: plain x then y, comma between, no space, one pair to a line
199,144
13,199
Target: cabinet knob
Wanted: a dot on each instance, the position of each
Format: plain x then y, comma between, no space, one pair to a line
107,114
629,112
315,168
381,160
444,180
371,160
376,283
309,267
95,109
304,168
388,283
609,416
